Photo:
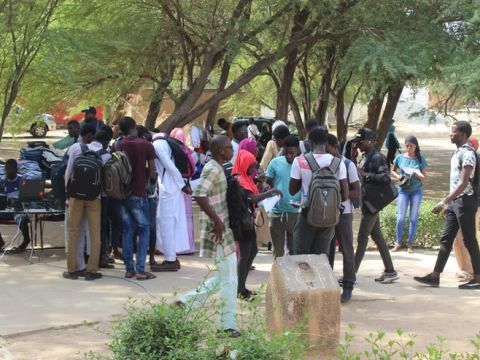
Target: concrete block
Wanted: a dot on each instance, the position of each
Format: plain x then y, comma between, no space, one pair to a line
303,295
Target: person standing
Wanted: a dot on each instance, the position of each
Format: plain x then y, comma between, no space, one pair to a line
79,208
392,144
240,133
253,131
216,238
90,117
245,234
274,146
135,210
284,214
171,214
461,253
308,239
344,229
373,169
460,206
409,170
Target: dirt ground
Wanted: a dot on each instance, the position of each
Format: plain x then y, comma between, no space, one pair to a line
34,320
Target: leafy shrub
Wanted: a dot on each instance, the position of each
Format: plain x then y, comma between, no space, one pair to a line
429,227
151,331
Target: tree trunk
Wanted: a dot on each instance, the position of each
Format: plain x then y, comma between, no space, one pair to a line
298,116
394,93
321,104
154,107
375,108
212,113
283,94
342,125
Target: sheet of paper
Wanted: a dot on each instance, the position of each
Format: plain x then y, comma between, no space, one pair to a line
194,183
269,203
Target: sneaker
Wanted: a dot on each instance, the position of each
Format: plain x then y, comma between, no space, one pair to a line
106,265
410,250
387,277
346,295
471,285
89,276
72,275
428,280
177,262
166,266
397,248
130,274
81,273
232,333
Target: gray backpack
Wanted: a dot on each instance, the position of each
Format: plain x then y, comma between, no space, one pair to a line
117,176
324,199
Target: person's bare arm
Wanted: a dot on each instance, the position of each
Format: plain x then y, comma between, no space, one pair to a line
354,192
151,169
218,225
344,189
394,173
294,186
260,197
464,179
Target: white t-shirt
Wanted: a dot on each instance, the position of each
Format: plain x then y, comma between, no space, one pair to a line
301,171
235,147
352,178
253,131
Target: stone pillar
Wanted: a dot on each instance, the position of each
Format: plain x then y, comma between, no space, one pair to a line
303,295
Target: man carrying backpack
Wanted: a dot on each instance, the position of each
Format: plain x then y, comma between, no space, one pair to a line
172,216
374,171
343,230
84,183
135,209
460,207
323,181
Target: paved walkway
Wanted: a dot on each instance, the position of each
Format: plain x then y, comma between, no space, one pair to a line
35,300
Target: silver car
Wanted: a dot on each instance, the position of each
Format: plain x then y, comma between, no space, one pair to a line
42,124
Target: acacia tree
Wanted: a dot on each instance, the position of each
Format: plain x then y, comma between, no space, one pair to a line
23,27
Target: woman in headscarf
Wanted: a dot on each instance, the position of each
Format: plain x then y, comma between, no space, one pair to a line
392,145
409,170
179,134
244,228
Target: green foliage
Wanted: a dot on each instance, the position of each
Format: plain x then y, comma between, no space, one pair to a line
151,331
402,347
429,227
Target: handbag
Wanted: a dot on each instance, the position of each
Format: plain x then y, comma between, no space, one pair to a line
404,182
378,196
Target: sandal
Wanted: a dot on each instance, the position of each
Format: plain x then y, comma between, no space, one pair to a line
145,276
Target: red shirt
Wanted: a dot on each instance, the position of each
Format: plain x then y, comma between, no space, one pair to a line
139,151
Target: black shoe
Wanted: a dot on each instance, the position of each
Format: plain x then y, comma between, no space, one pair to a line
89,276
346,295
428,280
229,333
106,265
246,295
471,285
166,266
70,275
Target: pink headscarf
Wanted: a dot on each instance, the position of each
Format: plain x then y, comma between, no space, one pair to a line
244,160
179,134
249,144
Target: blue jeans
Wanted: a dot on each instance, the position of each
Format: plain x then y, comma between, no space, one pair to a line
414,199
136,219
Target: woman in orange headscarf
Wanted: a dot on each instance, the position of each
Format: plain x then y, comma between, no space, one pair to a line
244,229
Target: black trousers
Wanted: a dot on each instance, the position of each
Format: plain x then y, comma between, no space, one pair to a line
114,222
370,225
248,251
460,215
344,235
104,228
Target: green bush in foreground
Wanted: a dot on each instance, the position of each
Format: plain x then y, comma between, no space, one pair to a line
429,227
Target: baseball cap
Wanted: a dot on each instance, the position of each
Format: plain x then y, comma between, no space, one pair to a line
364,134
90,109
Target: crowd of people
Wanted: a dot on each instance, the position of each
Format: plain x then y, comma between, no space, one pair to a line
317,183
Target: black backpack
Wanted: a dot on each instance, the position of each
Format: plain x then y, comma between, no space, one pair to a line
239,213
180,157
86,179
57,176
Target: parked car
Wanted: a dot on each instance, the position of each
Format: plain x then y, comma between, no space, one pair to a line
42,124
259,120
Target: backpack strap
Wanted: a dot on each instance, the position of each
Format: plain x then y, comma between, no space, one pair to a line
312,162
347,165
101,152
335,164
84,148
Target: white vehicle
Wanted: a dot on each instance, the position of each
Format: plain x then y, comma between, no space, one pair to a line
42,124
